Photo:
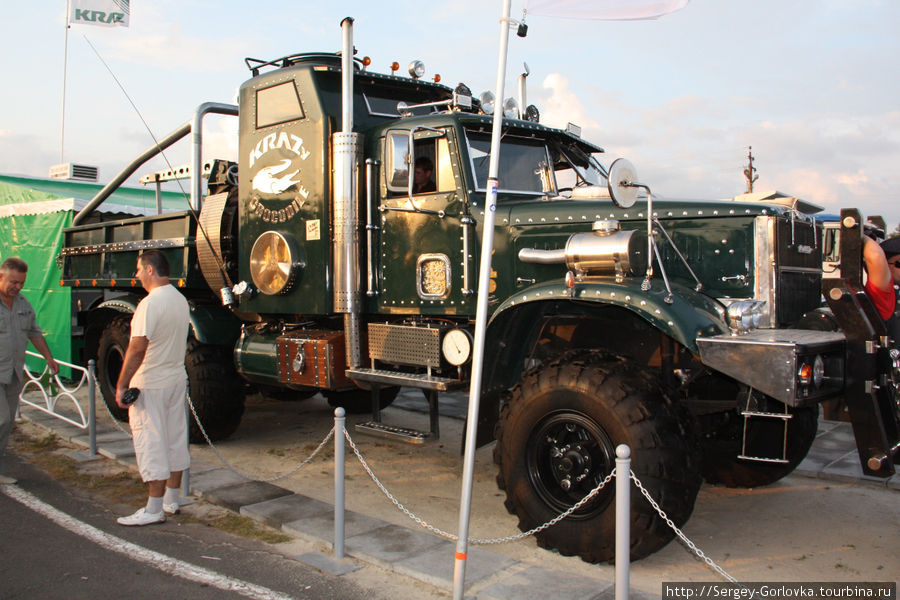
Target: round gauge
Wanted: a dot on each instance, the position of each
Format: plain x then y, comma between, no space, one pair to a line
457,346
274,262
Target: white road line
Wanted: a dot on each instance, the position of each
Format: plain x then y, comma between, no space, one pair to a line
154,559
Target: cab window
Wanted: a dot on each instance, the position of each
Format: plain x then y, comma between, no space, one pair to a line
277,104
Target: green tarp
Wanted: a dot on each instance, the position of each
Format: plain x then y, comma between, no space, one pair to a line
33,213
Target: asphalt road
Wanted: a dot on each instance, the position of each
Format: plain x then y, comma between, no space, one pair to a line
43,559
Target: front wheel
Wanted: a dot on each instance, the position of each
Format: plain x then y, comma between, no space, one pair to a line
216,391
556,441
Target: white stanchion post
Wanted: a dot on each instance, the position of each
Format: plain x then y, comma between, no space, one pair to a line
92,410
186,474
339,424
623,521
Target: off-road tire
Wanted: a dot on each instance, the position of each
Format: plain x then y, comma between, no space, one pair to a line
358,402
110,357
584,404
216,391
721,447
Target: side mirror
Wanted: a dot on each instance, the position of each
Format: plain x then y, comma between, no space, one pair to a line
396,155
621,183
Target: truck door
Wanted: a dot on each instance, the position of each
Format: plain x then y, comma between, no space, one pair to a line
422,266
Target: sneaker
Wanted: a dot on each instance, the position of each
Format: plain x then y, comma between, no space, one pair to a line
4,480
171,509
142,517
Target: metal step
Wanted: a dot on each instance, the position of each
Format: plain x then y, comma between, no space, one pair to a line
784,417
416,380
392,432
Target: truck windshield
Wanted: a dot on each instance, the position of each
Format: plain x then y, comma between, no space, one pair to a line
575,168
524,164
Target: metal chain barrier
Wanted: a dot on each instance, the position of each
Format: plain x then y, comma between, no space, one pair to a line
476,541
245,475
691,545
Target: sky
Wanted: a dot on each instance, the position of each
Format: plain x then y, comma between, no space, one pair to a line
811,85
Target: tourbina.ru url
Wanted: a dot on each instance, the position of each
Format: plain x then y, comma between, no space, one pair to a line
882,590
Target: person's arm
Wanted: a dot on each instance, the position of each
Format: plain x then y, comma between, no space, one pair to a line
134,356
41,345
876,264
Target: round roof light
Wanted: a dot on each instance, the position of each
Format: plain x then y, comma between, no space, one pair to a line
416,69
487,102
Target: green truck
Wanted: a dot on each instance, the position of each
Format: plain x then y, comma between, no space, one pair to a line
314,266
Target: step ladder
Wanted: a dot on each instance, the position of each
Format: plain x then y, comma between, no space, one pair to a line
429,384
750,413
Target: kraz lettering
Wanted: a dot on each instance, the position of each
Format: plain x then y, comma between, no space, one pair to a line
94,16
273,141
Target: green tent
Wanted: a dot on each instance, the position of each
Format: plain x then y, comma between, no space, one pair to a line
33,213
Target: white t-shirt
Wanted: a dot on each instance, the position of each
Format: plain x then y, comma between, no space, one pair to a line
163,318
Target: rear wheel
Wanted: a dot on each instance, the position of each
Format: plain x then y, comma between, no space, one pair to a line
110,358
556,442
765,438
217,393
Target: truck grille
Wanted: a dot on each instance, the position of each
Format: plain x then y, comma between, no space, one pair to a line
798,264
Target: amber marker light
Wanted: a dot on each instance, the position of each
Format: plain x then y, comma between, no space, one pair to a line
112,282
93,283
181,283
437,78
77,282
133,283
805,374
395,66
61,283
366,61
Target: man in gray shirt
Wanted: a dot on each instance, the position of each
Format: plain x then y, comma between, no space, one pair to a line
18,325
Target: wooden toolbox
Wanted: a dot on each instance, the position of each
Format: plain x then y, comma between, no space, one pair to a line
313,358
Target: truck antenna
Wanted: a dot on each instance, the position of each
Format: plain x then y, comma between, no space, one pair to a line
750,171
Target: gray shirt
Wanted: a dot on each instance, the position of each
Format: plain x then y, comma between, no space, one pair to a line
17,325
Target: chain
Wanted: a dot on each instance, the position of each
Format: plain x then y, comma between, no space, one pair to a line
691,545
245,475
112,417
475,541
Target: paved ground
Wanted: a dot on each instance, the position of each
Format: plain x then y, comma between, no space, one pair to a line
377,536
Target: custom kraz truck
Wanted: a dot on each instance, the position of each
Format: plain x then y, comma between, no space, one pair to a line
313,266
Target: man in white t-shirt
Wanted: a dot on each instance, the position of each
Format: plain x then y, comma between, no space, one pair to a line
154,364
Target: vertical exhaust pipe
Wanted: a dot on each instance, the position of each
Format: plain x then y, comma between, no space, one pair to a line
346,149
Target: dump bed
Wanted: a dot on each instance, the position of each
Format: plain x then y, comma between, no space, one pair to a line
104,255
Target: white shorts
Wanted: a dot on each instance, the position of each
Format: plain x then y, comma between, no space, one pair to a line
159,428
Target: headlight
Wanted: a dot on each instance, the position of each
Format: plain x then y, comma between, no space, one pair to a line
416,69
487,102
274,263
511,108
744,315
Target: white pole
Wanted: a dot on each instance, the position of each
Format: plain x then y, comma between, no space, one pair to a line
623,521
62,132
339,426
481,314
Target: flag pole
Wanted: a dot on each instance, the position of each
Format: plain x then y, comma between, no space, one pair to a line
62,132
481,313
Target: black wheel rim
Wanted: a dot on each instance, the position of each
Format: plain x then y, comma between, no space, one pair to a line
568,455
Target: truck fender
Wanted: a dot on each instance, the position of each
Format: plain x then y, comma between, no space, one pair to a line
688,316
214,325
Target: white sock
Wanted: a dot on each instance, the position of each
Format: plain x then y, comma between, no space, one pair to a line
154,505
172,495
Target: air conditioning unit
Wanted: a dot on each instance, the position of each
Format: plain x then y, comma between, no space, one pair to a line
74,172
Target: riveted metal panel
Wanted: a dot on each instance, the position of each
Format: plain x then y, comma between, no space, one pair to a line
405,344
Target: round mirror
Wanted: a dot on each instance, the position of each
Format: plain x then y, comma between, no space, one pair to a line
622,177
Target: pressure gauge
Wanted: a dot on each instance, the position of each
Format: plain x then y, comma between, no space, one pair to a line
457,346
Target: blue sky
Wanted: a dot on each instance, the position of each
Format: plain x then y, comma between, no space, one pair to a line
811,85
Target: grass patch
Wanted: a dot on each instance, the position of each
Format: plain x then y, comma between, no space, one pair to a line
241,526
